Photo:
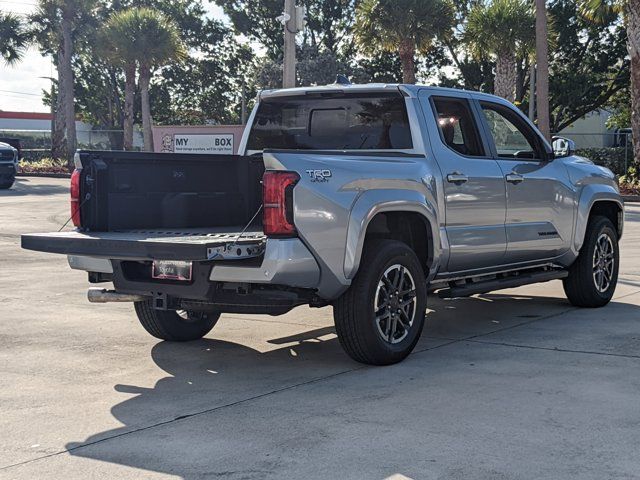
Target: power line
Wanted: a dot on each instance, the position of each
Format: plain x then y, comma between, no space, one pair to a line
21,93
19,3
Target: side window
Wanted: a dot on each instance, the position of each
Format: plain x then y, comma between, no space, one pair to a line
457,128
512,137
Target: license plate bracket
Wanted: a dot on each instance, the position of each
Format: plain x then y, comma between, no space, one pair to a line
172,270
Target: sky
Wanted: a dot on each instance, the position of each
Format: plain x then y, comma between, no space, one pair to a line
21,86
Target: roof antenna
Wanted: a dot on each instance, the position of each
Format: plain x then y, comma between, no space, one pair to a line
342,79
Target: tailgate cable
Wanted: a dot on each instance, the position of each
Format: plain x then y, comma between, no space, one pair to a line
245,228
86,197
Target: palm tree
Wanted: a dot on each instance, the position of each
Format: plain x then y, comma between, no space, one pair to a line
13,38
403,26
599,10
57,25
117,45
156,42
502,29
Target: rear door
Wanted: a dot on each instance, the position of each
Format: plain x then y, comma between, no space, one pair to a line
473,183
539,220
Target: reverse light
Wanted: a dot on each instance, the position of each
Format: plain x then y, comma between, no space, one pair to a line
277,202
75,198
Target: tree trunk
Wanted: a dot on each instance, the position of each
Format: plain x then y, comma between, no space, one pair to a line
58,149
633,45
542,73
407,52
505,81
129,93
66,86
145,77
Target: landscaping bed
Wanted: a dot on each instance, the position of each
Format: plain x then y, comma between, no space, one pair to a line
45,167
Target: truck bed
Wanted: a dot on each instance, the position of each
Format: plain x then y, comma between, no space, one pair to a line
165,244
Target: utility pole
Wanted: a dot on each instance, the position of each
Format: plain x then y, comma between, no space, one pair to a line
243,112
293,20
542,65
53,111
289,65
532,92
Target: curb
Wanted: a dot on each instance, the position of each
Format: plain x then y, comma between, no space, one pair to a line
631,198
46,175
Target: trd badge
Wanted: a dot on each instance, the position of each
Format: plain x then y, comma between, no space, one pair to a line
319,175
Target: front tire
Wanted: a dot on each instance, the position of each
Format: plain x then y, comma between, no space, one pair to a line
175,326
380,317
593,276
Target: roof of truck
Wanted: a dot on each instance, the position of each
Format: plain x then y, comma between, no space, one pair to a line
408,89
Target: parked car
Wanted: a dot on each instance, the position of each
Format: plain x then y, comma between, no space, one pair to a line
8,165
363,197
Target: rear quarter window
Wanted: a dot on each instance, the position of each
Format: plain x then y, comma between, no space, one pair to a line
345,122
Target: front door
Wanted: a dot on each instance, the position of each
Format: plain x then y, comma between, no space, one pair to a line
539,221
474,189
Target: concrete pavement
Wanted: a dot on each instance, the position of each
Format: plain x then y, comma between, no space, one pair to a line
516,384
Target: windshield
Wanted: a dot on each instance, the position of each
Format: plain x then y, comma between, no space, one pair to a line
376,121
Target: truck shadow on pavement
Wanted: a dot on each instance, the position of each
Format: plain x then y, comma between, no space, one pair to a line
212,375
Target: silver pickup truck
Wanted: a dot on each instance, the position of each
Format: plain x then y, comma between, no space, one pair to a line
362,197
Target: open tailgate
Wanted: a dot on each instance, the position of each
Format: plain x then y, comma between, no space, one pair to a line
183,244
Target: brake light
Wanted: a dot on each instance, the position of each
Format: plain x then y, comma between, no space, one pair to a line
277,201
75,198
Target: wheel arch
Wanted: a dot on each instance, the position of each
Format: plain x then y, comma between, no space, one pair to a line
598,200
400,217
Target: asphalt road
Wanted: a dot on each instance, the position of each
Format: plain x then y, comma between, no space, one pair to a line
512,385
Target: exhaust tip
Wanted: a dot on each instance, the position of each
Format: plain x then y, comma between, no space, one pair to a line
102,295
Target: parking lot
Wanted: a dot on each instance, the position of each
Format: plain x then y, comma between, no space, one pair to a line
516,385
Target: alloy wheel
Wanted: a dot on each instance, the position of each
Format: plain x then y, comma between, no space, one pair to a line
395,304
603,263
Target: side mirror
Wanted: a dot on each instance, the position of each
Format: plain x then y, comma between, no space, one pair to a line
563,147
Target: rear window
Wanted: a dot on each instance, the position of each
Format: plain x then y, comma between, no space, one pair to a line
347,122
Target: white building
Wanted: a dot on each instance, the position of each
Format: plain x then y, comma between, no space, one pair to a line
38,125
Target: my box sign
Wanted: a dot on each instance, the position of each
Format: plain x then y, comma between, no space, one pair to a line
203,143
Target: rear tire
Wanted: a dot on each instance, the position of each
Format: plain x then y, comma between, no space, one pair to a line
593,276
175,326
380,317
7,184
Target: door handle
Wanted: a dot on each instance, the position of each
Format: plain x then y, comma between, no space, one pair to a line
514,178
457,177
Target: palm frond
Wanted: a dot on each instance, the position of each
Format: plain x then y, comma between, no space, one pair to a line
14,38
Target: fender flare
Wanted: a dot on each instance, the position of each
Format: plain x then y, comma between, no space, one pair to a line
373,202
590,195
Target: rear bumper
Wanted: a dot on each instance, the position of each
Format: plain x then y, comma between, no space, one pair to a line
219,260
285,262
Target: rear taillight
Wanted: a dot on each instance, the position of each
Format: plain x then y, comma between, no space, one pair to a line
75,198
277,201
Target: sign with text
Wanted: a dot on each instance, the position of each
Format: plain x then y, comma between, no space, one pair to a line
221,144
